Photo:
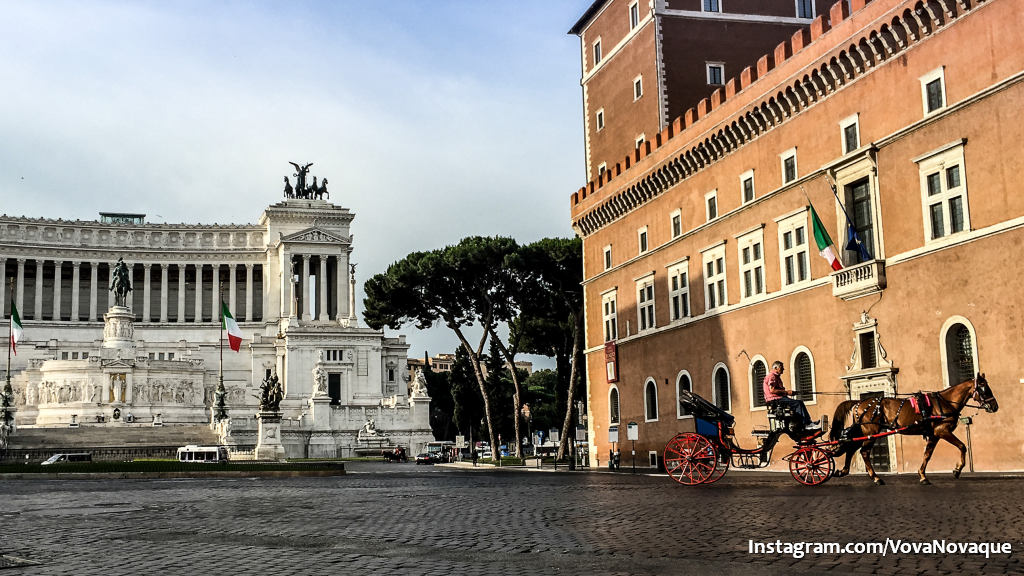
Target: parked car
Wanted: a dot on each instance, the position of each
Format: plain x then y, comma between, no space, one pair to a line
68,458
426,458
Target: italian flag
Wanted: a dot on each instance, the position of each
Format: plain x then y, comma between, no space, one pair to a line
825,246
234,332
16,329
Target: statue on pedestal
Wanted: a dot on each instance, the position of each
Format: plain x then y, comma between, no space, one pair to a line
121,283
271,394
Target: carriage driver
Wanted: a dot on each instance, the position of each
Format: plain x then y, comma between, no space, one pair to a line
774,391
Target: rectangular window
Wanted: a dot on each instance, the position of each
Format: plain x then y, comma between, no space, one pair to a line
944,193
714,278
679,291
645,303
607,257
597,52
850,128
804,9
712,6
641,236
677,224
933,90
638,88
858,202
789,173
610,317
747,186
711,205
793,249
716,71
634,15
599,117
868,357
751,257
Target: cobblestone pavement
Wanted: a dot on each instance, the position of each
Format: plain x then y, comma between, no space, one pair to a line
408,519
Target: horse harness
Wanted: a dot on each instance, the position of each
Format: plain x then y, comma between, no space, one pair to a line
932,399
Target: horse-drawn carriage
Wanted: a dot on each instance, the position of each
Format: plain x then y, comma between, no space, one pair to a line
704,454
395,455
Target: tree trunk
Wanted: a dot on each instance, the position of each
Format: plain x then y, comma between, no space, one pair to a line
510,359
474,359
577,341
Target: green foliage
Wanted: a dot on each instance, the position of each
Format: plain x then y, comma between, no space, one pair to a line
467,403
442,403
542,396
165,466
500,391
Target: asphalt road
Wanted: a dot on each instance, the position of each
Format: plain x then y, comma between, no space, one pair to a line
408,519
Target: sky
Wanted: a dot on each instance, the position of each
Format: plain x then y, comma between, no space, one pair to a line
433,120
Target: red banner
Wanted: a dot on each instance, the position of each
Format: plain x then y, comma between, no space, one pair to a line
611,361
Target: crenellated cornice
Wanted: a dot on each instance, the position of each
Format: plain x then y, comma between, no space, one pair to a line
845,62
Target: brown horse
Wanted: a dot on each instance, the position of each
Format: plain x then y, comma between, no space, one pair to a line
878,415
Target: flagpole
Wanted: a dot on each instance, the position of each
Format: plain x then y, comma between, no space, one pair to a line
219,410
8,391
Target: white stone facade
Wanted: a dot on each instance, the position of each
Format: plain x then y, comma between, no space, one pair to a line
287,281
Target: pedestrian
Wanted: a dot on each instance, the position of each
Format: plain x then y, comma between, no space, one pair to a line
474,458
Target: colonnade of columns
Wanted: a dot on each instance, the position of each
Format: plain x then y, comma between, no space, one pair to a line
199,280
329,275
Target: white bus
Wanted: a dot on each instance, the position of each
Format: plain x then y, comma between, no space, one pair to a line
443,451
193,453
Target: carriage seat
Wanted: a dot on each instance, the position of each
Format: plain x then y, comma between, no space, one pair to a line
779,414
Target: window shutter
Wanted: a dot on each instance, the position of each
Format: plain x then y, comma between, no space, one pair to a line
804,377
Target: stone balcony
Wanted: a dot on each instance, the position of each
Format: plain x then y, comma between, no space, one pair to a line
860,280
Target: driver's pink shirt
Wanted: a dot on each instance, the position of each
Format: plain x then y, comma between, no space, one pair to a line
772,380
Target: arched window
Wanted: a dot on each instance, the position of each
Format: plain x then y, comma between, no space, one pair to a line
722,389
651,400
682,383
960,362
803,376
613,406
758,371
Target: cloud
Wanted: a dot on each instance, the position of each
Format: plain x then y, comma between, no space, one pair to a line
433,121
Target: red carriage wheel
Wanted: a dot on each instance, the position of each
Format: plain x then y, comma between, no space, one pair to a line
811,465
690,459
721,467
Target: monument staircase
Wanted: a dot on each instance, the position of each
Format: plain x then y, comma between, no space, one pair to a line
107,441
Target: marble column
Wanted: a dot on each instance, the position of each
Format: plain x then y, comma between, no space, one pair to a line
304,291
163,292
232,286
20,298
94,280
37,313
340,288
106,288
215,290
287,270
199,293
3,283
248,292
76,275
57,269
181,292
321,281
146,276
